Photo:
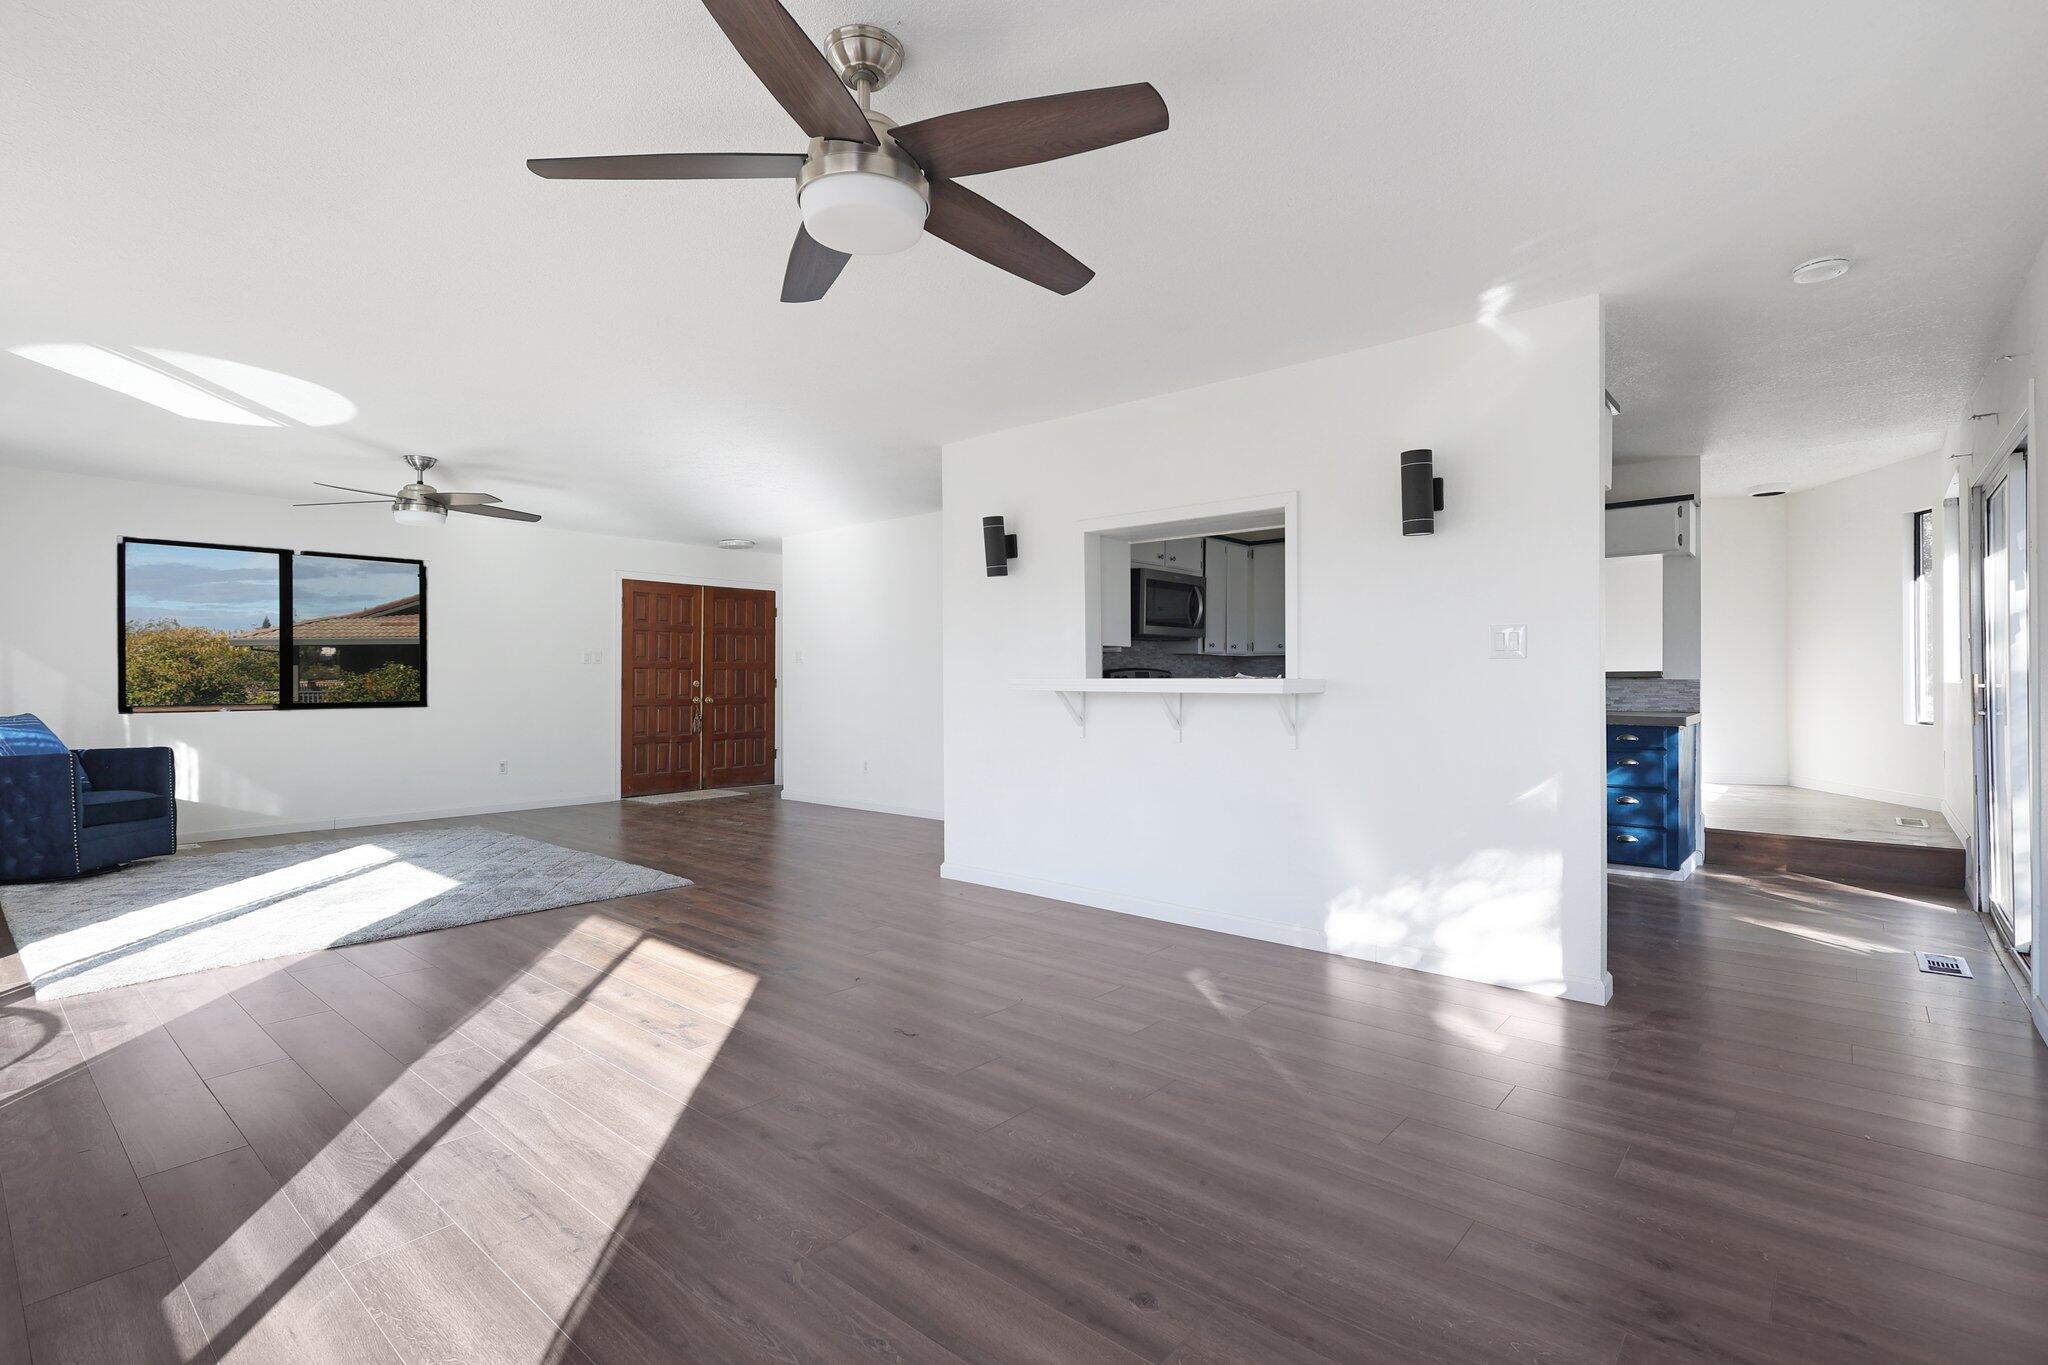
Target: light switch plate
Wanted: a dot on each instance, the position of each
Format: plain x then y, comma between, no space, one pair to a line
1510,642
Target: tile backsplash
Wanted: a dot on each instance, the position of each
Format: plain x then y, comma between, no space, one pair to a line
1153,654
1653,694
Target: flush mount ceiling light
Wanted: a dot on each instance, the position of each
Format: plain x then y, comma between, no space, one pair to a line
418,512
202,387
1820,270
866,186
1768,490
736,543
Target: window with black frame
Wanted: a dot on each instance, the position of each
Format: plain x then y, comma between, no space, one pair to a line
235,627
359,631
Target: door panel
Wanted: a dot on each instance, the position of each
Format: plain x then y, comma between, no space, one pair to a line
739,686
660,749
2006,749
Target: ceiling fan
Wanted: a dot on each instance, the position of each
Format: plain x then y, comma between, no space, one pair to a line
868,186
419,503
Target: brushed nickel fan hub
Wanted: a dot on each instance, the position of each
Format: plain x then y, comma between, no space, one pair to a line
864,52
421,463
828,156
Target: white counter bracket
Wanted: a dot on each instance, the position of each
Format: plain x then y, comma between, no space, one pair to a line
1173,696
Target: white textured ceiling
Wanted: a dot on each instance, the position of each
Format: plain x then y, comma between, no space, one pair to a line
337,192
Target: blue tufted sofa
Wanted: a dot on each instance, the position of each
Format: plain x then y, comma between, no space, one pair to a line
64,812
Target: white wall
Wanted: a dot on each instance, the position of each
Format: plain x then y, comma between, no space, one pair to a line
1846,626
1444,810
1644,477
861,667
1743,668
1632,614
512,610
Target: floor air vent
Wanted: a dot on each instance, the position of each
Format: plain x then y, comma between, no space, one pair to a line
1911,821
1944,964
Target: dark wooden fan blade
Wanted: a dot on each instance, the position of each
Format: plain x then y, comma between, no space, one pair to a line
344,488
793,69
670,166
1001,238
1022,132
464,499
812,268
507,513
352,502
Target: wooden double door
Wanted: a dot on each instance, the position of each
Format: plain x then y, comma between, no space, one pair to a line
697,684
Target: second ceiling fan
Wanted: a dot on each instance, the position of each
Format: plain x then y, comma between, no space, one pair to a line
867,186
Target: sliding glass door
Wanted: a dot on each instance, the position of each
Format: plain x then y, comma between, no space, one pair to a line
2008,776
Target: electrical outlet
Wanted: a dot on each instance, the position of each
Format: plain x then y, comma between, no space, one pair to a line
504,766
863,765
1510,642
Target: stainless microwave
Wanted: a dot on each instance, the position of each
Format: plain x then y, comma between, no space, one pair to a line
1166,606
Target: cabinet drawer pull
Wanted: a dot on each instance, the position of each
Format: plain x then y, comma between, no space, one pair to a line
1626,839
1628,800
1631,763
1633,738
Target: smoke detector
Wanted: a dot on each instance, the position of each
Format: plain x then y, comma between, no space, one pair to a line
1769,490
1820,270
737,543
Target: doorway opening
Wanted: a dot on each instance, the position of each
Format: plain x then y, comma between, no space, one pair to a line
696,687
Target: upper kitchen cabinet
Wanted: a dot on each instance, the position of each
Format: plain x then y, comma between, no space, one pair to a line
1178,556
1666,526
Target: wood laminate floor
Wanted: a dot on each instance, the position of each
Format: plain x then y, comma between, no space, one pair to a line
824,1106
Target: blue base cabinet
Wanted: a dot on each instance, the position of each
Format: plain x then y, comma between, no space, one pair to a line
1652,795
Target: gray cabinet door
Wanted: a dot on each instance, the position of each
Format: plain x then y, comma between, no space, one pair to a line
1236,591
1269,598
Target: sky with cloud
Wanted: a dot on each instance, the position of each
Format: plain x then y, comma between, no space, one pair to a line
236,590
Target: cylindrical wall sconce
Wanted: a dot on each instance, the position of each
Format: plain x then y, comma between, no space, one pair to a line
998,548
1422,493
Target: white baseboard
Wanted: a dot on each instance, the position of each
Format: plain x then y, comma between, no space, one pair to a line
1747,779
357,821
1293,936
1956,825
849,803
1917,800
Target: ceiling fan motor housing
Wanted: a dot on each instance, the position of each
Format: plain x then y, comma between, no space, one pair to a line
864,52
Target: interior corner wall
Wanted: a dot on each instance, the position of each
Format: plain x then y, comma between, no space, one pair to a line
1743,643
861,667
1444,810
523,656
1846,622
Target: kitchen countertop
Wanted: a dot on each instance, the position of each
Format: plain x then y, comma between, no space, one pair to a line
1653,717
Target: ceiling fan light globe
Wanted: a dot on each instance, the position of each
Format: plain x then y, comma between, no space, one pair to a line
418,514
863,214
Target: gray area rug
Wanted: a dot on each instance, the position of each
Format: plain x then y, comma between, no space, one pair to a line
195,911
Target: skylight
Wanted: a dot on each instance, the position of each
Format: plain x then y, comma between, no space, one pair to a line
202,387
